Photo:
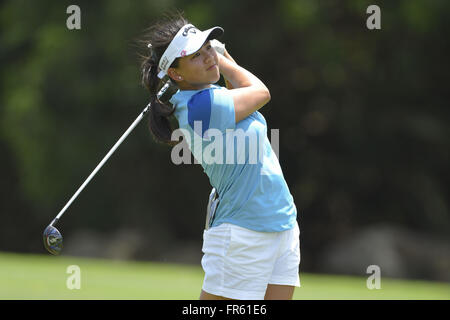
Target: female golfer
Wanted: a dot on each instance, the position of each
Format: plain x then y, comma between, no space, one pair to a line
251,249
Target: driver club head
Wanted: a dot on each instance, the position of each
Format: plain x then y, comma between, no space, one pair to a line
53,240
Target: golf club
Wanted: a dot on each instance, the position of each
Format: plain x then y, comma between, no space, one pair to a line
53,240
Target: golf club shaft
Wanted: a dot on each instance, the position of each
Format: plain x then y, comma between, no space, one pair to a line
122,138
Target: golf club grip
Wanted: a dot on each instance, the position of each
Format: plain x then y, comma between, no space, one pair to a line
122,138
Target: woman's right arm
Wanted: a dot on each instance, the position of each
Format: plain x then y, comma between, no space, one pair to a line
249,93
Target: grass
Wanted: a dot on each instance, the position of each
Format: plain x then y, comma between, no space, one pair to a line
25,276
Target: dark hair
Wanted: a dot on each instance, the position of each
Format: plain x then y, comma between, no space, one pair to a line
159,36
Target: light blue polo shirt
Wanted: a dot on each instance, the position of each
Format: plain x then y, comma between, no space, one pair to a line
237,158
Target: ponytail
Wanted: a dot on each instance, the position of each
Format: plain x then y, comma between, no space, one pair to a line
158,39
159,112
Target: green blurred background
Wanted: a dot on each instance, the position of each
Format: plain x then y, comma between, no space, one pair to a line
362,116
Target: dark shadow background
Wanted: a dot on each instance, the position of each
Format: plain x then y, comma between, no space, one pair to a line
362,115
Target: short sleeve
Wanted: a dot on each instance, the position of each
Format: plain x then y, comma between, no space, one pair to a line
211,108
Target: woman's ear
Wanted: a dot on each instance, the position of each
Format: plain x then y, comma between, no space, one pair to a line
173,74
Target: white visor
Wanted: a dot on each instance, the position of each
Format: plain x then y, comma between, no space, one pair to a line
188,40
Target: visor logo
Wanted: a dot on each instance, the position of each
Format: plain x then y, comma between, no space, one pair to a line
164,63
183,53
190,29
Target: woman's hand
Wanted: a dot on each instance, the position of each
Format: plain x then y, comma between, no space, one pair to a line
218,46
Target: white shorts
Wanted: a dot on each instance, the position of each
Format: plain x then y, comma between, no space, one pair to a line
239,263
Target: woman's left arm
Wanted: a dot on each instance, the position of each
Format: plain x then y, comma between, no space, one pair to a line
229,57
220,48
